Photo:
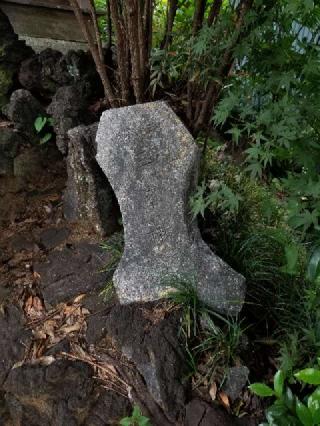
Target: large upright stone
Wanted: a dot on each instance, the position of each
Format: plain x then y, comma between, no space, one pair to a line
151,161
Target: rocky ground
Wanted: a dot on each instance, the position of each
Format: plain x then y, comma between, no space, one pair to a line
67,356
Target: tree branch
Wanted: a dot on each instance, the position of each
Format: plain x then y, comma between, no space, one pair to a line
108,90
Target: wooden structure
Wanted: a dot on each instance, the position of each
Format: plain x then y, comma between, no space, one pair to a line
45,19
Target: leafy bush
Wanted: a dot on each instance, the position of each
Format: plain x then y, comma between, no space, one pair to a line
288,409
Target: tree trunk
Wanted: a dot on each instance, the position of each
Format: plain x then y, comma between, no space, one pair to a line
171,14
123,59
214,12
198,15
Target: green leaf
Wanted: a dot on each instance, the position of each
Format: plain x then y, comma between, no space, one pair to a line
39,123
278,383
45,138
292,255
309,375
313,270
314,405
289,399
304,414
126,421
261,390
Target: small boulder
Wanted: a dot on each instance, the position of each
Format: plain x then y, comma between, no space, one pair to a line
23,109
88,195
48,70
69,108
236,380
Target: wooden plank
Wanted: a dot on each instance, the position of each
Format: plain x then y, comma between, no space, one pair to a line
52,4
44,22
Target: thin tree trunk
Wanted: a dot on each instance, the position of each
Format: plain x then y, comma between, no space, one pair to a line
172,11
214,12
131,10
108,90
96,29
198,15
122,51
109,25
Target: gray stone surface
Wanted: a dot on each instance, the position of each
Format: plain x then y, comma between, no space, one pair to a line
69,108
236,380
88,195
151,161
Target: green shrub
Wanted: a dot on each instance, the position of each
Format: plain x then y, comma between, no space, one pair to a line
288,408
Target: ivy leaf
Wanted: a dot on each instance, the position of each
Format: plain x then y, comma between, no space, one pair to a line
45,138
39,123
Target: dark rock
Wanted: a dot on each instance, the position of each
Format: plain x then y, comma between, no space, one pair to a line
96,321
89,195
23,109
108,410
149,339
236,380
59,394
200,413
21,242
48,70
53,237
13,338
38,73
72,271
10,140
62,346
28,164
12,52
69,108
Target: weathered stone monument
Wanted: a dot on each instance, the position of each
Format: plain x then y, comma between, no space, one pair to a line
151,161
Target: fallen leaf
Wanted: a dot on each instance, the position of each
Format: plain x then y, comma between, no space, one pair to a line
37,304
71,328
79,298
85,311
213,391
224,399
44,360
